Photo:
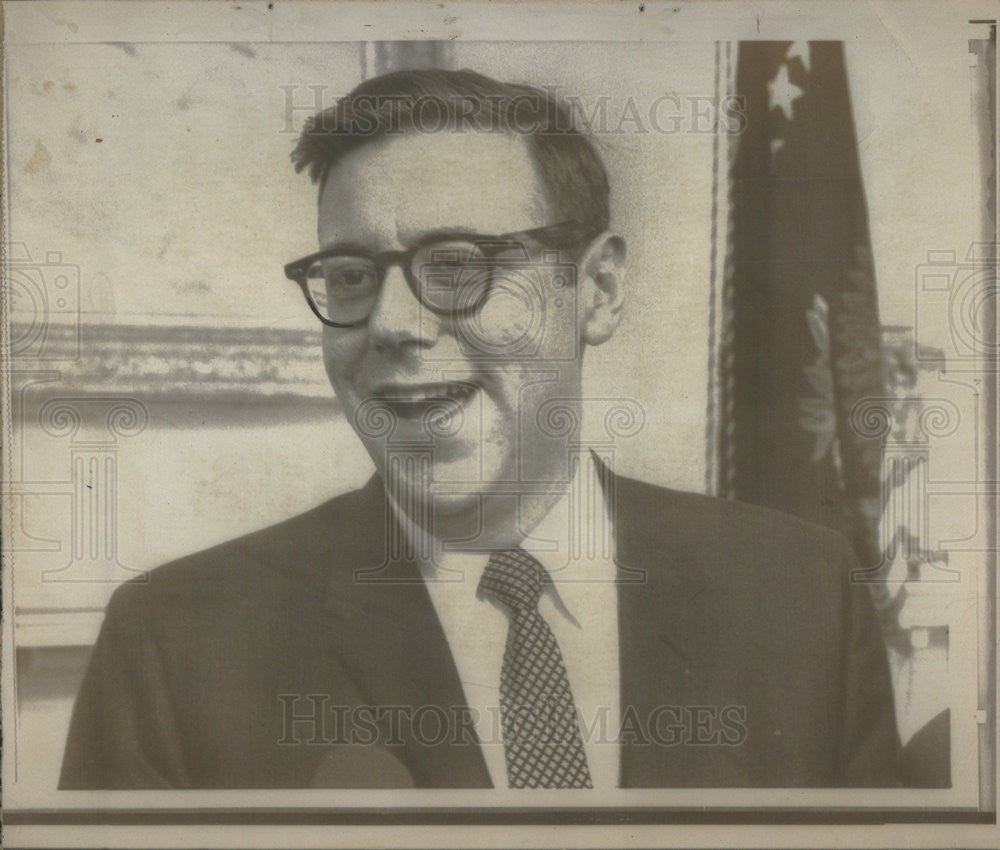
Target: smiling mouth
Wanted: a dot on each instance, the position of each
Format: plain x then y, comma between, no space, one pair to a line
419,401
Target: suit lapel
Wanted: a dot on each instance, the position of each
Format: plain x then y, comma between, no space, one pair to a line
662,620
389,634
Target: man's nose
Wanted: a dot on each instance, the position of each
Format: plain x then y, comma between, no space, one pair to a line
398,317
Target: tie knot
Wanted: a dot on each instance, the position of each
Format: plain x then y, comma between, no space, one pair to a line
514,578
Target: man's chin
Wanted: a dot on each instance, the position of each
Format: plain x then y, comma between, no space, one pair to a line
442,498
443,494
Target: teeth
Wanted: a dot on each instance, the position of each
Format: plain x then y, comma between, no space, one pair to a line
450,391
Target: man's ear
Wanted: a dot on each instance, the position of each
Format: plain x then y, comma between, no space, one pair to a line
601,288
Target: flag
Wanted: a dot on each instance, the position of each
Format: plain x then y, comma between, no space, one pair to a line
803,334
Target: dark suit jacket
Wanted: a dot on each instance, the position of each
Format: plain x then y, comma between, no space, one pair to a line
747,659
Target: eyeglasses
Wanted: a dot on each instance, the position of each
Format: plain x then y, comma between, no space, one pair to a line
450,274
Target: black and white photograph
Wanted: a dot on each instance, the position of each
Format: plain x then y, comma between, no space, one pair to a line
499,424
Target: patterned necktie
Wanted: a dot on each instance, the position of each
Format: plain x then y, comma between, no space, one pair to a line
542,741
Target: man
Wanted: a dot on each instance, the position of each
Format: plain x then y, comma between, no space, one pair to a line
496,607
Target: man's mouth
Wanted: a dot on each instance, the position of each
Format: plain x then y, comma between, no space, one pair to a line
420,401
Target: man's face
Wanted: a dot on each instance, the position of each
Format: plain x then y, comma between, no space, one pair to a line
406,362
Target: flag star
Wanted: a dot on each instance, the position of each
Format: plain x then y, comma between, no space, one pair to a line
801,50
782,92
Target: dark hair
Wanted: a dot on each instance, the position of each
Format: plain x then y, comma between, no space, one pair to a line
439,100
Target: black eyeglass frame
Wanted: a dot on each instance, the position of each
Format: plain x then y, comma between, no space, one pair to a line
563,234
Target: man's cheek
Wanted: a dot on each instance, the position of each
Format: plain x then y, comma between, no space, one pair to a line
342,368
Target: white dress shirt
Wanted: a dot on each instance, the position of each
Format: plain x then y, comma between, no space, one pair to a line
575,544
